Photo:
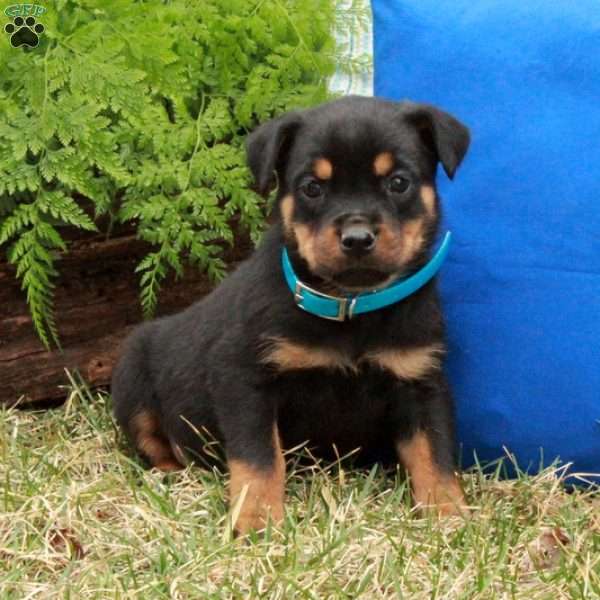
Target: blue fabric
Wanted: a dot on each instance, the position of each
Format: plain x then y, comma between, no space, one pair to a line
521,286
330,307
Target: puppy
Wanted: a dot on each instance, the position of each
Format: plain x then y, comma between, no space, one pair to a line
309,340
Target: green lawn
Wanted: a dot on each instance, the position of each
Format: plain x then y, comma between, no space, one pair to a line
79,519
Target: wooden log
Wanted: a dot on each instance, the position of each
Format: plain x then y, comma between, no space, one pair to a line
96,306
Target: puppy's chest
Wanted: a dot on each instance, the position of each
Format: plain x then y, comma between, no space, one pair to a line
284,355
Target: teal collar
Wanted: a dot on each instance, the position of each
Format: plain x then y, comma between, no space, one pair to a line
338,309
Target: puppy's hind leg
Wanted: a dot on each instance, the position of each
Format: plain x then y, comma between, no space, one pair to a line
151,442
134,406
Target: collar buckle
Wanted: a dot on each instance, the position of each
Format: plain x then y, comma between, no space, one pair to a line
345,305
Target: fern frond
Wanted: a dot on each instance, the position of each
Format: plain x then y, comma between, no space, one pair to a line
153,269
35,268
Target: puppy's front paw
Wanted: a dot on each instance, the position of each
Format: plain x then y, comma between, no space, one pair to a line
443,497
435,490
256,495
255,514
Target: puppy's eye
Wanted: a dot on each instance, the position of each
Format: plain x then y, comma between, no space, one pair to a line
313,189
398,184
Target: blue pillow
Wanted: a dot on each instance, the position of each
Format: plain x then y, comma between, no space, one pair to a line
522,284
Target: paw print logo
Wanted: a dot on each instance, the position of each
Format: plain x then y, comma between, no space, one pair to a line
24,32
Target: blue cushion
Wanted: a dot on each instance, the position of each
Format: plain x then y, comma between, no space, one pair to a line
522,284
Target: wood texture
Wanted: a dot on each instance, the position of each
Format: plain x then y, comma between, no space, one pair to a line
97,304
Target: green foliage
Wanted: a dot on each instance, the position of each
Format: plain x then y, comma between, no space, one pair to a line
137,111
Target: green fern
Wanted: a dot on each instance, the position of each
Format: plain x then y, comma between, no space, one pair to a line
34,226
140,110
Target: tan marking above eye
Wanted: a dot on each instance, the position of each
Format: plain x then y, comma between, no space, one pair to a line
408,363
323,169
383,164
286,355
428,198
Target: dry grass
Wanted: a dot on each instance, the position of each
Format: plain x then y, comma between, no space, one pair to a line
79,519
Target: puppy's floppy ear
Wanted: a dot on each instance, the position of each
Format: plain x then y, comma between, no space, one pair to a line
447,137
267,147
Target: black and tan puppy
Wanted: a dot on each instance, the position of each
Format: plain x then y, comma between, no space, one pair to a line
357,210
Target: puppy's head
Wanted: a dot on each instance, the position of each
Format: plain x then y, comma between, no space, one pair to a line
357,184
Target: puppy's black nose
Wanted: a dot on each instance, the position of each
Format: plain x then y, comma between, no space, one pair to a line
357,240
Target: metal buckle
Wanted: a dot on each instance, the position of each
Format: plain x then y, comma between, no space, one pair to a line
346,305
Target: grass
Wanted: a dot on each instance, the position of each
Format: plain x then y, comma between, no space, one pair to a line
81,519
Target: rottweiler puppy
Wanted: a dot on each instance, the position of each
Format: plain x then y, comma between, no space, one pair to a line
309,340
